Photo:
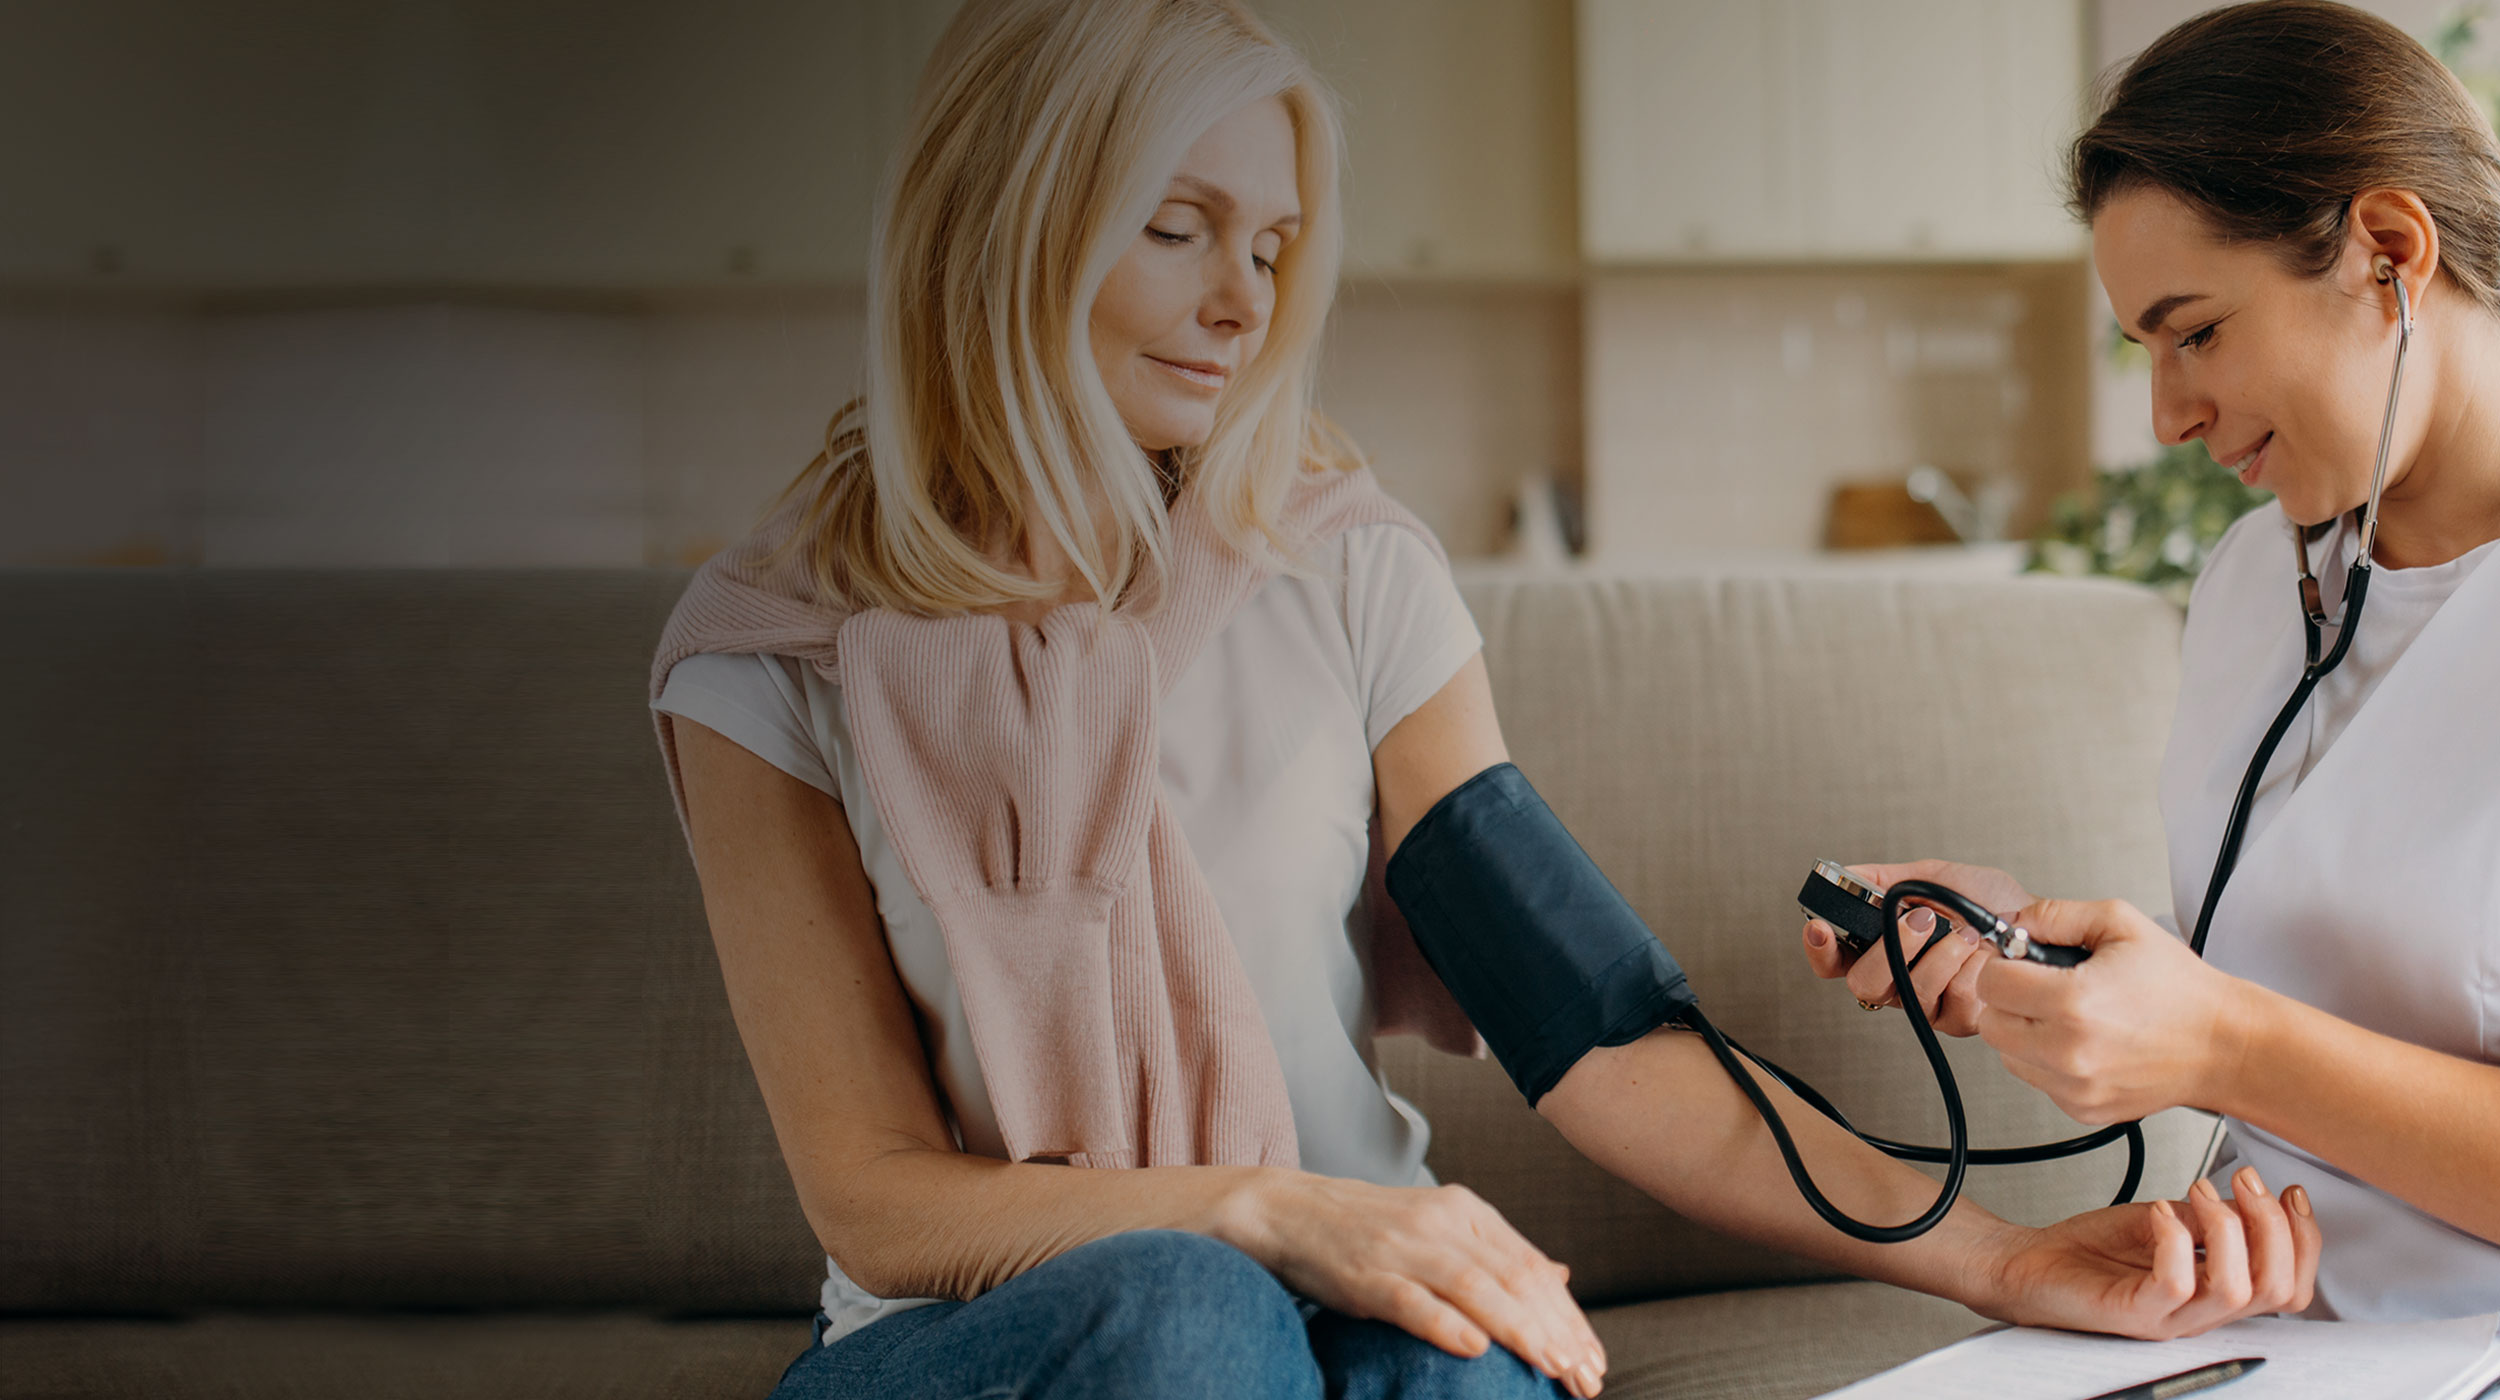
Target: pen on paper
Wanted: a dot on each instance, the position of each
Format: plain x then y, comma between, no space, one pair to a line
2186,1382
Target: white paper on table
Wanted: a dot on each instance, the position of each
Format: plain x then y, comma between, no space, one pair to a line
2304,1361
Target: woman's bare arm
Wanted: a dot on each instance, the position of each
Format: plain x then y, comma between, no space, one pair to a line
830,1033
2145,1024
2420,1125
1663,1115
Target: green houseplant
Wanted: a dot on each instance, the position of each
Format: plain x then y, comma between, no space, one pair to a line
2152,523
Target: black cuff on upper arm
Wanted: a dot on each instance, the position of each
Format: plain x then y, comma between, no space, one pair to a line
1542,952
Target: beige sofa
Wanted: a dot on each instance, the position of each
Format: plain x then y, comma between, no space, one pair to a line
362,1035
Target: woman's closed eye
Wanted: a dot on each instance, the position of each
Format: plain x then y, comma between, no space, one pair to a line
1176,240
2199,338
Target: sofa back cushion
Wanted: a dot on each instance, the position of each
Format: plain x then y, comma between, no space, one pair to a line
353,955
350,954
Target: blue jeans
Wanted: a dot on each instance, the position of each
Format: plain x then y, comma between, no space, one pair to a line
1147,1314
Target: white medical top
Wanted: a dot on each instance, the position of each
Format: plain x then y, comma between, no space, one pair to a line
2369,882
1266,761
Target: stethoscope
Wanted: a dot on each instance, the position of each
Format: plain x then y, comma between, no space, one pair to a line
2015,942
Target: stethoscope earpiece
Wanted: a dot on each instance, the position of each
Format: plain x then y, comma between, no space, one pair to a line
2383,271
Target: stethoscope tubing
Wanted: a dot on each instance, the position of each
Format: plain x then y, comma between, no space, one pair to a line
1956,1158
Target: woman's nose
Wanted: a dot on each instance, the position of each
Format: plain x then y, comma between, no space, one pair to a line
1238,299
2180,414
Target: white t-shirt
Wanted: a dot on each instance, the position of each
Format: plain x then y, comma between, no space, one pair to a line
1266,762
2369,882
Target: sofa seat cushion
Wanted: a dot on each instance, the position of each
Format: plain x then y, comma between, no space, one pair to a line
1771,1343
542,1356
1754,1344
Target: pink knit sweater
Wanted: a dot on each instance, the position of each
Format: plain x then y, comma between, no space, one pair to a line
1015,768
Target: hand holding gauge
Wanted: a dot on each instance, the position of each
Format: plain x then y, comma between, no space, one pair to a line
1855,909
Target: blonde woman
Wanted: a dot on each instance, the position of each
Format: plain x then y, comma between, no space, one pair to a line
1028,750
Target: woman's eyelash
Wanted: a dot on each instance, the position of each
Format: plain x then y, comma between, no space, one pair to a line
2198,339
1177,239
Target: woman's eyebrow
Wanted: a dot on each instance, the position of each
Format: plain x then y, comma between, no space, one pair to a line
2160,311
1219,199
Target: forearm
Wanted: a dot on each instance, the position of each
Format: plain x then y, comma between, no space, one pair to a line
2420,1125
930,1223
1661,1113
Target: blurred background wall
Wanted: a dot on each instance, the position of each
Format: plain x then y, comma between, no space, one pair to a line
450,282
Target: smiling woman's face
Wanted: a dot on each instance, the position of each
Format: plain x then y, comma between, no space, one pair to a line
2283,376
1186,308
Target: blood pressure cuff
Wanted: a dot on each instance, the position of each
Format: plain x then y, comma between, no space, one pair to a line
1538,948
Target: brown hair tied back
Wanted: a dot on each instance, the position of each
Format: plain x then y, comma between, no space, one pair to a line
2269,118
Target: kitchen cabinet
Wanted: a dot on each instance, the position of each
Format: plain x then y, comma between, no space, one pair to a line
1458,115
1827,130
625,144
557,144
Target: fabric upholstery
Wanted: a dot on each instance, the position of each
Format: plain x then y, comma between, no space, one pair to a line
1754,1344
314,1356
1771,1343
353,957
350,957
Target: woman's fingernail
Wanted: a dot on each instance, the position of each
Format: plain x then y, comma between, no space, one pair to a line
1817,936
2205,1189
2299,1197
2245,1182
1589,1383
1921,920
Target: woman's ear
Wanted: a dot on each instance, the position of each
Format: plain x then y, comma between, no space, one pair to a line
2395,225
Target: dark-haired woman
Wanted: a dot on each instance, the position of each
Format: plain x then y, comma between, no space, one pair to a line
2259,183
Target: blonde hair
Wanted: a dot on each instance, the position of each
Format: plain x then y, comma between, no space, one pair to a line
1042,140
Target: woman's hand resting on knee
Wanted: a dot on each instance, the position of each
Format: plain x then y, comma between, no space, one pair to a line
1436,1261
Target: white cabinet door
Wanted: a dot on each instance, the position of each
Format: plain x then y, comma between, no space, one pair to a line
1458,132
1688,131
1898,91
1875,130
2042,53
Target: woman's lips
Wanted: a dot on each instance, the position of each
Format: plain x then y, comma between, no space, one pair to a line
1205,379
2250,467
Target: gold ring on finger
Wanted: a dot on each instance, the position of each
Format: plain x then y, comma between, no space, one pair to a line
1865,1005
